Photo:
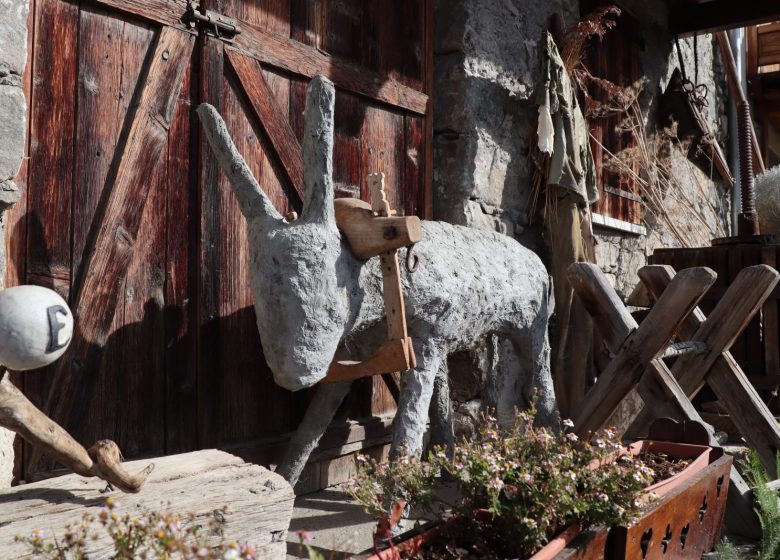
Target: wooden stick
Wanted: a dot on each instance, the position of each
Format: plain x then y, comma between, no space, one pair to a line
103,460
739,94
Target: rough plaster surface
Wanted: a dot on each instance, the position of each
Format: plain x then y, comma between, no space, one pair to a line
13,36
13,108
485,71
312,295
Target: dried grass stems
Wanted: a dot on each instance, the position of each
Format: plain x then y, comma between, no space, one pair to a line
658,164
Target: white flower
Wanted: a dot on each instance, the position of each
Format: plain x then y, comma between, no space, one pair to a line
230,554
568,423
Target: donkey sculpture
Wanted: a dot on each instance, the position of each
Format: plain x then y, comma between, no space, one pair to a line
315,300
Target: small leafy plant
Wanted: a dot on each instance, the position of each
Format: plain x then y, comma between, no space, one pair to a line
151,536
532,482
767,509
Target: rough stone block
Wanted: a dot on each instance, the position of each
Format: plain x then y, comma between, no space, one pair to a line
13,108
13,36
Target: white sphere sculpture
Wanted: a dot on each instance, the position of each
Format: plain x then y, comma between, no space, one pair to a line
36,327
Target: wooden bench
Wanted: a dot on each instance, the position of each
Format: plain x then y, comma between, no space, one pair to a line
259,502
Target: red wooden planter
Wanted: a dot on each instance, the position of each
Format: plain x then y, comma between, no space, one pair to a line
684,522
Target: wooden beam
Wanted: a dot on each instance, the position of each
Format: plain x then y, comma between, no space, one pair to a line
687,18
738,94
276,125
303,60
165,12
286,54
107,258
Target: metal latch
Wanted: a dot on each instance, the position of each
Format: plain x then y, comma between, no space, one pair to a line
211,23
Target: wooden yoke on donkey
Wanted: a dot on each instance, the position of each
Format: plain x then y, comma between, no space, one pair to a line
371,230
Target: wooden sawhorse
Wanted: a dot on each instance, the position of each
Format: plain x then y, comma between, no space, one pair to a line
702,357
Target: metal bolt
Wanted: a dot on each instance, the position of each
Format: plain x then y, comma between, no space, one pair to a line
166,55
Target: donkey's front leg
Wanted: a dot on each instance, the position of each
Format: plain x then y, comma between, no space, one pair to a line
318,417
416,390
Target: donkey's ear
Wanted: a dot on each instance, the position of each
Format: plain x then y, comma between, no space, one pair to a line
251,198
318,151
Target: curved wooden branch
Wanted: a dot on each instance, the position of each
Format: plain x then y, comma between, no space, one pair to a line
103,459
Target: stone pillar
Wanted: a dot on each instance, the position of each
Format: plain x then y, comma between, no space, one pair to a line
13,112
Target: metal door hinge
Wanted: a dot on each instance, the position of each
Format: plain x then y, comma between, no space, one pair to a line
211,23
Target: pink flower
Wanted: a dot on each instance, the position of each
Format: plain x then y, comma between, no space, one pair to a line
304,536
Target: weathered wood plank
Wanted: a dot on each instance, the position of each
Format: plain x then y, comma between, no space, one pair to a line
731,315
110,254
209,187
771,323
304,60
646,343
50,180
271,119
179,290
259,502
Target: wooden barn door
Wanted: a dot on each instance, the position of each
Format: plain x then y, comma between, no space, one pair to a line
127,214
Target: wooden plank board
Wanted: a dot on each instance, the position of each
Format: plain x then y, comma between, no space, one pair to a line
52,136
259,502
725,324
248,405
292,56
110,255
181,374
274,122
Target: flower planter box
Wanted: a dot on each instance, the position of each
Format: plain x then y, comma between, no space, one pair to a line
683,523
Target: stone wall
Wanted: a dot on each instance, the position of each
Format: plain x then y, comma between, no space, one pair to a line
13,110
486,69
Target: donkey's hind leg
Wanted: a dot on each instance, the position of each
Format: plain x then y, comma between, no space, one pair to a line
319,415
440,412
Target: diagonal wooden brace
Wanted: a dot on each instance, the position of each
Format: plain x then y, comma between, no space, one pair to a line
636,347
717,367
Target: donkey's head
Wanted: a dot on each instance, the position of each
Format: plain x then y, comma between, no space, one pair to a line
301,309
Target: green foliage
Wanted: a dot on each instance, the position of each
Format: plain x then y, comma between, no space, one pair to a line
766,506
532,480
152,535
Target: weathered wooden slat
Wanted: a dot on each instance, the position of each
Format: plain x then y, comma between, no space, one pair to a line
725,377
165,12
726,322
303,60
271,119
645,344
109,256
770,323
259,503
52,130
209,187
